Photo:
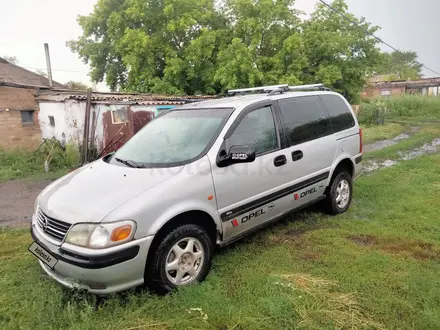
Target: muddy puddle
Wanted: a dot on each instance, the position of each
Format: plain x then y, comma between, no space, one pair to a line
385,143
427,148
390,142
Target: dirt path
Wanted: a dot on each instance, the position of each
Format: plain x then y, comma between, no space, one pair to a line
17,200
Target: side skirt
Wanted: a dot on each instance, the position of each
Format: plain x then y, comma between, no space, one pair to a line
265,224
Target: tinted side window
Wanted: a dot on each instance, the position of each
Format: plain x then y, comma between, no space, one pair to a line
305,119
256,129
340,114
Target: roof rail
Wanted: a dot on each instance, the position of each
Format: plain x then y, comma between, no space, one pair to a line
313,87
258,89
278,89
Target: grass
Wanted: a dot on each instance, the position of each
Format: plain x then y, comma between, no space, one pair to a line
376,266
426,134
403,107
24,163
383,132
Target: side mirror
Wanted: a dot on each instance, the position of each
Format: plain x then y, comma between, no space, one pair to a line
242,154
238,154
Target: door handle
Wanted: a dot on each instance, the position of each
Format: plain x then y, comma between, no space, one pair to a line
280,161
297,155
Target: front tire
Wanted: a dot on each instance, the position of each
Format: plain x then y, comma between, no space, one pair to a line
340,194
183,257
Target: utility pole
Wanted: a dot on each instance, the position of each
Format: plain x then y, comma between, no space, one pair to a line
49,68
86,132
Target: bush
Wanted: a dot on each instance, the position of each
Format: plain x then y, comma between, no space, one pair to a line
368,115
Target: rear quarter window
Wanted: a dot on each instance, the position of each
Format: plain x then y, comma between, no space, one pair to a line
340,114
305,119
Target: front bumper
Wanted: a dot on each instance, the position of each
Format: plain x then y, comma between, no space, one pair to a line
107,271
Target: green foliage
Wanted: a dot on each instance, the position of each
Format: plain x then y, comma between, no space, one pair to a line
77,85
23,163
405,106
413,106
206,46
401,66
340,54
371,112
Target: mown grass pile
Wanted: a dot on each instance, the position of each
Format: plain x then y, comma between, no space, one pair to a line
23,163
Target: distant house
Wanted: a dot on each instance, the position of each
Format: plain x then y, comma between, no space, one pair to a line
425,86
19,125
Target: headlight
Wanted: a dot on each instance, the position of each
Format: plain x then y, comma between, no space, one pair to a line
99,236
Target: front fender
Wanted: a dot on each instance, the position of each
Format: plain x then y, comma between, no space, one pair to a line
189,190
184,206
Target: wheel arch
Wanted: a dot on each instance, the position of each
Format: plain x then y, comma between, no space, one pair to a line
344,163
196,217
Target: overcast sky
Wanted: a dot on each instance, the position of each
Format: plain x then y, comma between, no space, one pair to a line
25,25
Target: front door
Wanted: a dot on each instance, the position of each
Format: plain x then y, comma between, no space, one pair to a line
243,190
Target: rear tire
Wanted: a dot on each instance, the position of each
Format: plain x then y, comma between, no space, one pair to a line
183,257
340,193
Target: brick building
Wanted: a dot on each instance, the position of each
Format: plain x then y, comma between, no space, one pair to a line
19,127
31,110
425,86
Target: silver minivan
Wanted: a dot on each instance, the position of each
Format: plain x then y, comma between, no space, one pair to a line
195,178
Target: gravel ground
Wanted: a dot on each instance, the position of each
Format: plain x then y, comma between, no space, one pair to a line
17,200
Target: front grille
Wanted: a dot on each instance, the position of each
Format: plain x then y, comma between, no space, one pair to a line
51,227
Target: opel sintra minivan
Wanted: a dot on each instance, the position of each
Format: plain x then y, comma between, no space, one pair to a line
195,178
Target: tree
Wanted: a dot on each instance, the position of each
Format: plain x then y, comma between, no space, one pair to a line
208,46
266,44
41,72
401,65
150,45
341,54
11,59
76,85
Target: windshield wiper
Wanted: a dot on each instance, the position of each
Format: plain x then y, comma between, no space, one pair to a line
129,163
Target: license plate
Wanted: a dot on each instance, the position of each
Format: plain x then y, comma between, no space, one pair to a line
43,255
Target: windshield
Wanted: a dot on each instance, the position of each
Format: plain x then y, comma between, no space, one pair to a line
174,138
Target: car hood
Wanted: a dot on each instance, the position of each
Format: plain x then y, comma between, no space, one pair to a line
93,191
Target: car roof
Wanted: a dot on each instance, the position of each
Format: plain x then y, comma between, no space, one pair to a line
242,101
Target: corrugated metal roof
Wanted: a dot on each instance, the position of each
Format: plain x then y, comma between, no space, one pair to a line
14,74
410,83
158,102
60,96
